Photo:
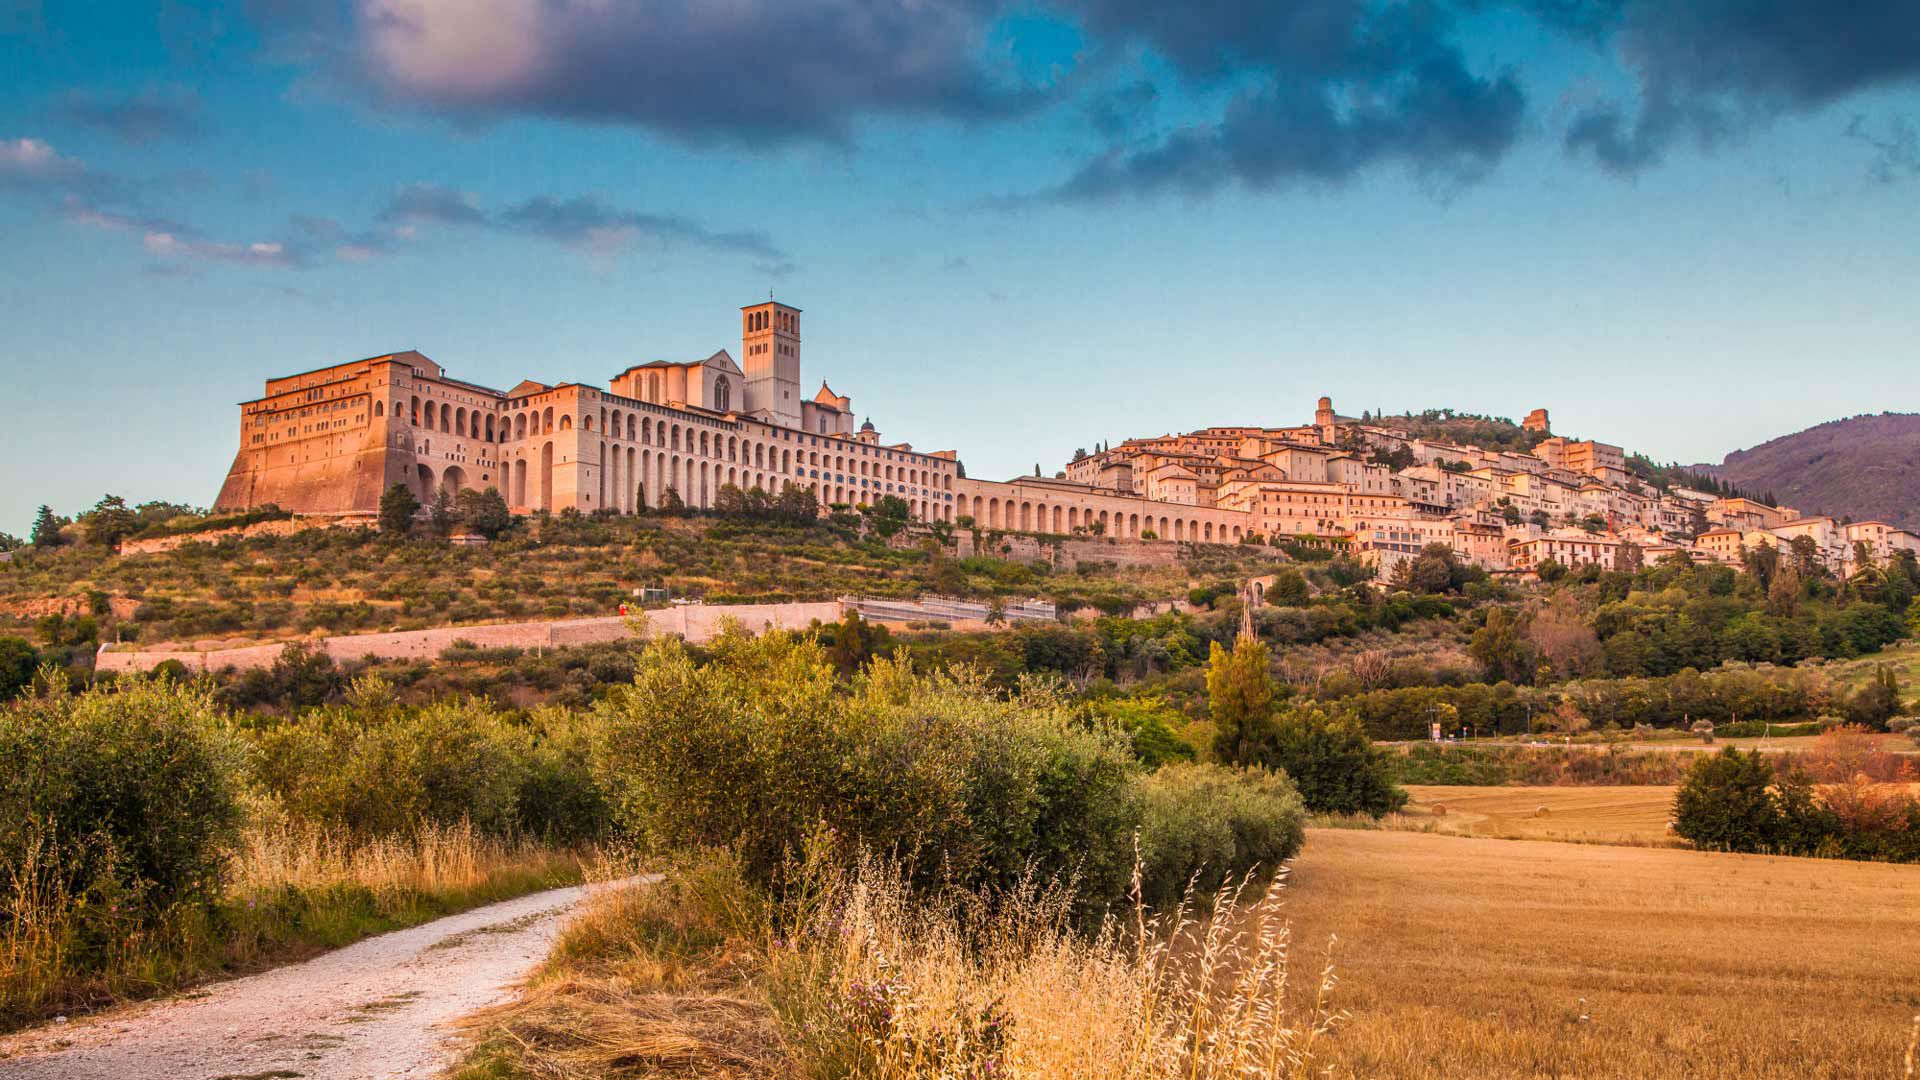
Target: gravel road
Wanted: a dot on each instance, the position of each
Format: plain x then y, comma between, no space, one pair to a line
370,1011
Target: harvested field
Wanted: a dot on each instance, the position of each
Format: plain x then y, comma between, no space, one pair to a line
1468,957
1603,815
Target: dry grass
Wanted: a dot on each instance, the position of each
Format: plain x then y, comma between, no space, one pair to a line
1592,815
1464,957
855,977
291,892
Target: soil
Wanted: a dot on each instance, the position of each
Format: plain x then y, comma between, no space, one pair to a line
375,1009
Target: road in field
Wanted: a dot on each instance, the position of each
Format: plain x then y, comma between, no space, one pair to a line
371,1010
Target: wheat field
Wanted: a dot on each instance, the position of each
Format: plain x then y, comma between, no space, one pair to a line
1620,814
1490,958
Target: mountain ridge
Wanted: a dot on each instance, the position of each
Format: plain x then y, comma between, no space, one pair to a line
1864,467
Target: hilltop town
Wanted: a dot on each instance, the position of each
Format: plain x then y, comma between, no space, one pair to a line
331,441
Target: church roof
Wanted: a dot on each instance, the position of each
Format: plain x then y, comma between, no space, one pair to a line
528,386
826,396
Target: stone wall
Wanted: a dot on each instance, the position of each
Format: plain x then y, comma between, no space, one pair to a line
694,622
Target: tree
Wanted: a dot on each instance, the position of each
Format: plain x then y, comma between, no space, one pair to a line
10,542
1725,803
730,500
1783,595
1240,700
46,530
855,642
440,514
1501,648
18,661
1330,759
797,505
671,504
889,515
1631,559
1289,588
109,522
1877,702
485,512
397,510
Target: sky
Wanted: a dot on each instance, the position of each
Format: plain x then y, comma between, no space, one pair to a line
1684,226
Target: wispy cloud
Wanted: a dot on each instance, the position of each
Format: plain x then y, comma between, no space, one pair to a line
147,116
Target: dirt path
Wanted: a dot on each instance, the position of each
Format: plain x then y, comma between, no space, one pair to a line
372,1010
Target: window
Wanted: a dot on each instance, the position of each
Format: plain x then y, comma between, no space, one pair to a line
722,395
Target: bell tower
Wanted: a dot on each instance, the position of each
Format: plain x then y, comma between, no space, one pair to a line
770,356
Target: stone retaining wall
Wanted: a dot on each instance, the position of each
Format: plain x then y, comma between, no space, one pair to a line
694,622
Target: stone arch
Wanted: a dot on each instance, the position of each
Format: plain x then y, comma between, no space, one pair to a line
453,481
546,473
566,422
460,422
519,483
424,482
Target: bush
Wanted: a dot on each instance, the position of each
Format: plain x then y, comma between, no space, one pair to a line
378,770
18,659
760,748
1329,758
1726,803
1209,823
130,792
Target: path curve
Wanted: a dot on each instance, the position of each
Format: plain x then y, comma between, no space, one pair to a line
373,1009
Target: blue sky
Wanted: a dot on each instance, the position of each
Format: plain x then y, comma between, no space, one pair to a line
1016,230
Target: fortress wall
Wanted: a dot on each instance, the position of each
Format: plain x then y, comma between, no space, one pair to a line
696,623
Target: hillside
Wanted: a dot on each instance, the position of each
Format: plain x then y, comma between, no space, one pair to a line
1462,428
1863,467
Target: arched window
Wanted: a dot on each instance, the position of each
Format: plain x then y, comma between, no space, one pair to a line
379,409
566,422
722,395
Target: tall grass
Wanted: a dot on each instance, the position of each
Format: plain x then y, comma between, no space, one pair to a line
290,891
856,974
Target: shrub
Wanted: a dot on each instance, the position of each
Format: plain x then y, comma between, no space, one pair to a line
1726,803
131,791
1329,758
378,770
1209,823
760,748
18,659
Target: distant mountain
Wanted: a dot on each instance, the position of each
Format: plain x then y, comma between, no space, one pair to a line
1862,467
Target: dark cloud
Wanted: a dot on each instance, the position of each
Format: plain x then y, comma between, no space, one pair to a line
431,204
1121,111
1896,148
1708,70
751,70
593,226
142,117
1341,86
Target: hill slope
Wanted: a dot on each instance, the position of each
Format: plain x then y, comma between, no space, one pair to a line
1865,466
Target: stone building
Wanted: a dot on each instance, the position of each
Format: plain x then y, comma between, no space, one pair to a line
332,440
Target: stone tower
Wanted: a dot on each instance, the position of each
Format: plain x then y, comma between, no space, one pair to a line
1324,419
770,356
1537,421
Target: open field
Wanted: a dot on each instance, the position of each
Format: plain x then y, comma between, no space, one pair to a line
1465,957
1617,814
